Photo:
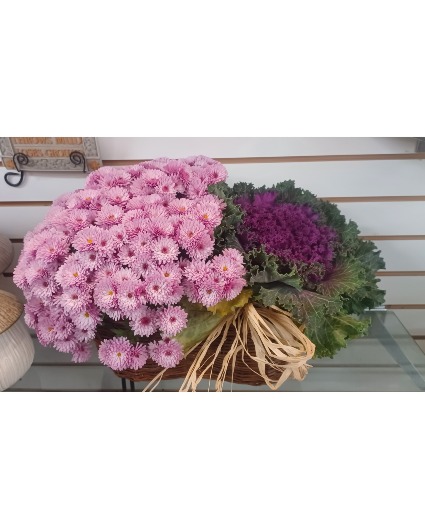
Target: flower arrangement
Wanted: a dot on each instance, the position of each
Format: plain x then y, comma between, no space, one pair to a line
171,271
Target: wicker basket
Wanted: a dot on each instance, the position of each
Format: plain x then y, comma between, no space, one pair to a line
242,373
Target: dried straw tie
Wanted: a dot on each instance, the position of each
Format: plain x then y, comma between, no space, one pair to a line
278,344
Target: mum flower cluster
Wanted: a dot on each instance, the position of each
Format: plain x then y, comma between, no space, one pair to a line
128,246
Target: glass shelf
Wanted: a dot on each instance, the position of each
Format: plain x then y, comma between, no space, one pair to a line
387,359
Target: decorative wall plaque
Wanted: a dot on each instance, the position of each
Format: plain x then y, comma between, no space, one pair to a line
48,155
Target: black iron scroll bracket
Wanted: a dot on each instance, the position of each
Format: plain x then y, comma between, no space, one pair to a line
19,160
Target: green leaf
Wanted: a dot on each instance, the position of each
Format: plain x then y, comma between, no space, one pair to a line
332,333
346,277
225,307
199,326
302,304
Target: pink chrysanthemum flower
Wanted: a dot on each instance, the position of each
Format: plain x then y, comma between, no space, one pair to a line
166,353
71,273
125,274
77,219
87,239
46,329
118,236
139,187
209,293
233,287
144,323
177,167
117,196
159,227
196,270
56,247
127,255
189,232
234,255
87,318
164,250
66,345
141,243
73,299
216,173
116,353
84,335
109,216
143,265
165,186
175,294
106,272
172,320
157,291
105,294
180,206
208,213
127,296
197,187
44,288
81,352
226,266
33,270
139,356
169,272
136,227
202,247
90,260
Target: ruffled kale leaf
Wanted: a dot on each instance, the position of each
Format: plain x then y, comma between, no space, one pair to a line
345,278
265,268
331,333
225,233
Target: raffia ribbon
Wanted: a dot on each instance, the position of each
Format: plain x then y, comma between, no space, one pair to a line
277,343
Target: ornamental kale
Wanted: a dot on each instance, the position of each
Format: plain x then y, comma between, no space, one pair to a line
303,256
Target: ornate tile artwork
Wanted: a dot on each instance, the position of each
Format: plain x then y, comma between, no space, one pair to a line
50,153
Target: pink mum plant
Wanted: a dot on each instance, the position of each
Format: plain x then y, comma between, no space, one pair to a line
129,246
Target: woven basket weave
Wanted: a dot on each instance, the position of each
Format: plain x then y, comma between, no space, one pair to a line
241,375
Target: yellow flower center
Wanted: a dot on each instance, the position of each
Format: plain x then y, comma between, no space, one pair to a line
225,268
75,274
86,315
205,216
166,274
89,240
110,292
119,354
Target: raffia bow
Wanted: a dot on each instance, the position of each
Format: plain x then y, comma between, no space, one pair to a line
277,345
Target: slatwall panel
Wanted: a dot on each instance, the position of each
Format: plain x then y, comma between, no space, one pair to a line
374,193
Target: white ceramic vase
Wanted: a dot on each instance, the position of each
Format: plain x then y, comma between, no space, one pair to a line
16,347
16,354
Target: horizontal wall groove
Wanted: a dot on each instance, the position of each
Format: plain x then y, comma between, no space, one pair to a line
403,198
289,159
405,306
393,237
400,273
25,203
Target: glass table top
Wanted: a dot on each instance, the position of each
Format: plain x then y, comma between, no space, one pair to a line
387,359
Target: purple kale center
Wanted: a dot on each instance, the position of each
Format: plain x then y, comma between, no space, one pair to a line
292,232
